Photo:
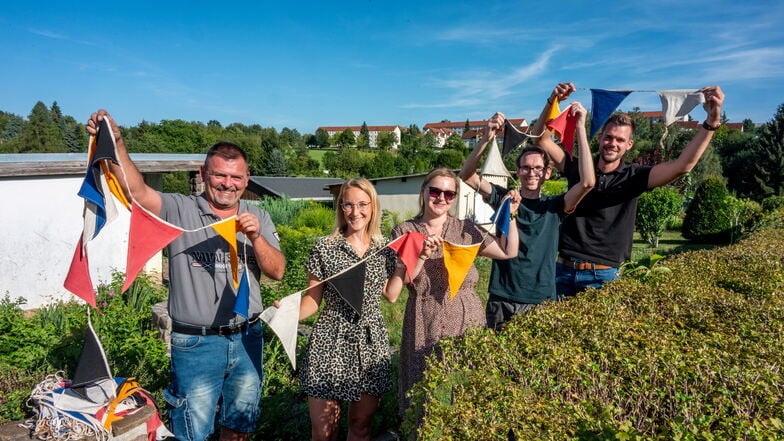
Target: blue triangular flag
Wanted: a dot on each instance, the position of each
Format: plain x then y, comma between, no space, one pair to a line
502,217
603,104
242,302
94,204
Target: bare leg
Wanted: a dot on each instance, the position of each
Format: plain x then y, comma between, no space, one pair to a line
360,417
324,419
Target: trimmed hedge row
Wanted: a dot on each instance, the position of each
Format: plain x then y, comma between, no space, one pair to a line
694,353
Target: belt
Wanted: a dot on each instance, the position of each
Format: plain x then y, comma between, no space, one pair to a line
185,328
582,265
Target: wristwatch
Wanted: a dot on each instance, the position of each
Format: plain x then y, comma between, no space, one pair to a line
709,127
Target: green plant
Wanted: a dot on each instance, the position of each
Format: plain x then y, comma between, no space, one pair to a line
654,209
706,217
772,203
643,271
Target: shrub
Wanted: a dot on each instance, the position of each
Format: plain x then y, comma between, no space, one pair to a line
706,219
690,353
554,187
772,203
654,209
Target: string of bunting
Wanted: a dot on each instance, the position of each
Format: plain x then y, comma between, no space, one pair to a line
148,234
676,104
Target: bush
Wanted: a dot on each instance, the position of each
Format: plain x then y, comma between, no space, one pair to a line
654,210
691,353
772,203
554,188
706,219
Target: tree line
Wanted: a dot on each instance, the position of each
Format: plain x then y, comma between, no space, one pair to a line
751,161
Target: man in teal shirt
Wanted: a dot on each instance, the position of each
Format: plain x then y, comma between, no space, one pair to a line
519,284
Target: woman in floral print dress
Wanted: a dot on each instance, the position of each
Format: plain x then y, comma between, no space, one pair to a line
348,357
430,314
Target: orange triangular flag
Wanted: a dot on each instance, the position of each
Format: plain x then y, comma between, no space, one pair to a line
458,260
147,235
78,280
114,185
555,110
564,126
227,229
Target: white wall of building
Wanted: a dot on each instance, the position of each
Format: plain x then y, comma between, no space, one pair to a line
42,217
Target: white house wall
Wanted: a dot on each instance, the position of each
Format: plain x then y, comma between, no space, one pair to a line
43,222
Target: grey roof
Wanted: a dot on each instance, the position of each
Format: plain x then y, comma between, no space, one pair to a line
48,164
293,188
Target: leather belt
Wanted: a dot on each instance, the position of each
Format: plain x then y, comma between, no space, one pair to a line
185,328
582,265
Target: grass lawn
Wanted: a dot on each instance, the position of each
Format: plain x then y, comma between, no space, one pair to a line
318,154
671,242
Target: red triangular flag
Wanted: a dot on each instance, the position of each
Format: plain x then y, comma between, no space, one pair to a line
78,279
408,248
564,126
148,234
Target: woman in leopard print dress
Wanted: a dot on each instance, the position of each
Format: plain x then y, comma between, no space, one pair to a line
348,357
430,314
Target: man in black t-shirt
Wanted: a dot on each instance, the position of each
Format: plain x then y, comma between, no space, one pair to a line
597,237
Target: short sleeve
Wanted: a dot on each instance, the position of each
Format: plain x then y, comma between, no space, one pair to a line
497,194
315,260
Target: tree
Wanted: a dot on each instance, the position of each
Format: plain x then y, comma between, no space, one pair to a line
769,157
346,139
385,140
707,217
40,133
654,210
455,142
449,158
322,138
467,126
748,126
363,141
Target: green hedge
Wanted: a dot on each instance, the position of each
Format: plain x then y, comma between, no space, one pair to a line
694,353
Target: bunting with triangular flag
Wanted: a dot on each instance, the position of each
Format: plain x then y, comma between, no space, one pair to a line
458,260
148,235
563,125
678,103
78,279
555,110
284,321
242,301
350,285
494,163
408,248
227,229
603,104
512,138
502,217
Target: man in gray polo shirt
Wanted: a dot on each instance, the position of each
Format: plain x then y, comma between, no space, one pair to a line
216,355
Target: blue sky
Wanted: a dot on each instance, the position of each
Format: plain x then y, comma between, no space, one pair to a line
303,65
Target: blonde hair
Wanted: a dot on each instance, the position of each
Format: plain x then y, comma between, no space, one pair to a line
437,173
373,227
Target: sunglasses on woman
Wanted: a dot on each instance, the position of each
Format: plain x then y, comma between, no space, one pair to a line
435,192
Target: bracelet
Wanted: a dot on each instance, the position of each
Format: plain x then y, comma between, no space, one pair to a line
709,127
549,101
422,258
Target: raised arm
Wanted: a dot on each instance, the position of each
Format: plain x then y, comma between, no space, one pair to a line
587,175
666,172
543,139
468,173
132,183
506,247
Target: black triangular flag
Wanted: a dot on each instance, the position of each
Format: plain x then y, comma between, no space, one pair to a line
512,138
351,286
93,365
104,145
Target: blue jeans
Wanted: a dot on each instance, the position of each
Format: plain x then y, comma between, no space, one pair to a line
212,369
569,281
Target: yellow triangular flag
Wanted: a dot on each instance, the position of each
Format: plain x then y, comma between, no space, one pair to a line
227,229
458,260
555,110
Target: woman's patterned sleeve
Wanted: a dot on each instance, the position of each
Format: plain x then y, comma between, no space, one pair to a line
315,261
